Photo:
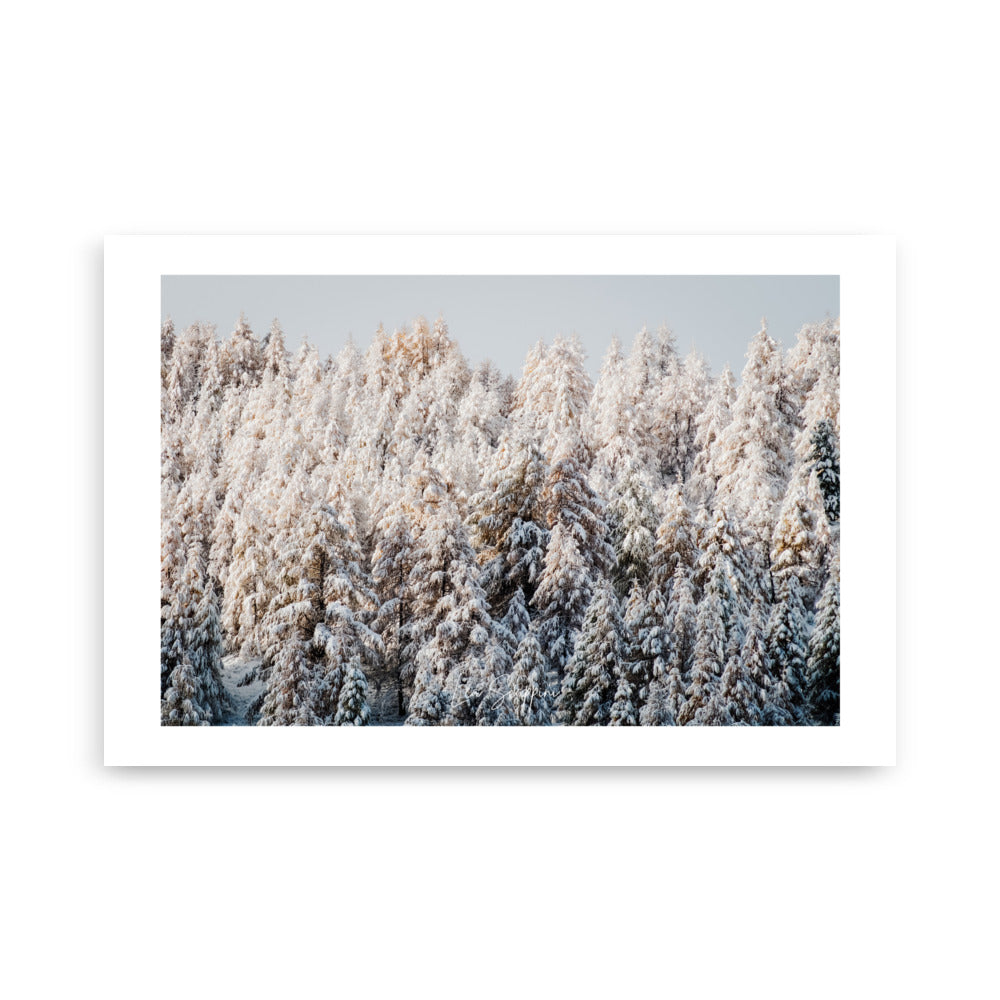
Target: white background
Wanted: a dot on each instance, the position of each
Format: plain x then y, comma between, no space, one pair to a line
725,118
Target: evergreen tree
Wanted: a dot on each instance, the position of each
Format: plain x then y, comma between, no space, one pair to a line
570,501
648,641
657,711
710,426
508,522
795,547
597,665
682,614
755,454
742,693
787,632
517,621
623,710
392,562
530,697
676,540
352,706
612,425
632,521
562,598
826,467
429,704
710,650
823,665
183,701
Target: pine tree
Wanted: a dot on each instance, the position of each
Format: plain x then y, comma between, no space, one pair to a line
795,547
203,646
570,501
724,552
530,697
517,621
191,648
676,540
742,693
648,641
183,702
597,665
710,650
711,424
392,562
682,616
352,706
657,711
826,467
562,597
755,453
240,357
786,645
508,522
632,521
623,711
823,665
429,704
612,423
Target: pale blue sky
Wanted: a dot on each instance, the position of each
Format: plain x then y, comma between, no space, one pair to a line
501,317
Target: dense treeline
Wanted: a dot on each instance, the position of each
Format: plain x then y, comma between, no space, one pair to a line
396,535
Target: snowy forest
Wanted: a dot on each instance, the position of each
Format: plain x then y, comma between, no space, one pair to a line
396,536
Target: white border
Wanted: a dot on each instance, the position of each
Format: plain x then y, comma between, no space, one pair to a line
133,266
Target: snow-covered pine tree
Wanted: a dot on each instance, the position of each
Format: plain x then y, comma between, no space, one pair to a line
570,501
562,597
632,523
183,702
517,621
714,626
652,360
429,704
175,606
823,664
507,521
611,424
352,705
203,642
530,696
597,665
682,618
795,547
623,710
723,550
826,467
710,426
240,358
676,543
392,562
558,399
449,613
648,641
275,356
682,398
742,694
166,347
754,458
813,370
787,639
656,711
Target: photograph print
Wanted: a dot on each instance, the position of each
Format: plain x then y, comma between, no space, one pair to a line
500,501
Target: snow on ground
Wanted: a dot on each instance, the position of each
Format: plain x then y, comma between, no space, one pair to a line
233,671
